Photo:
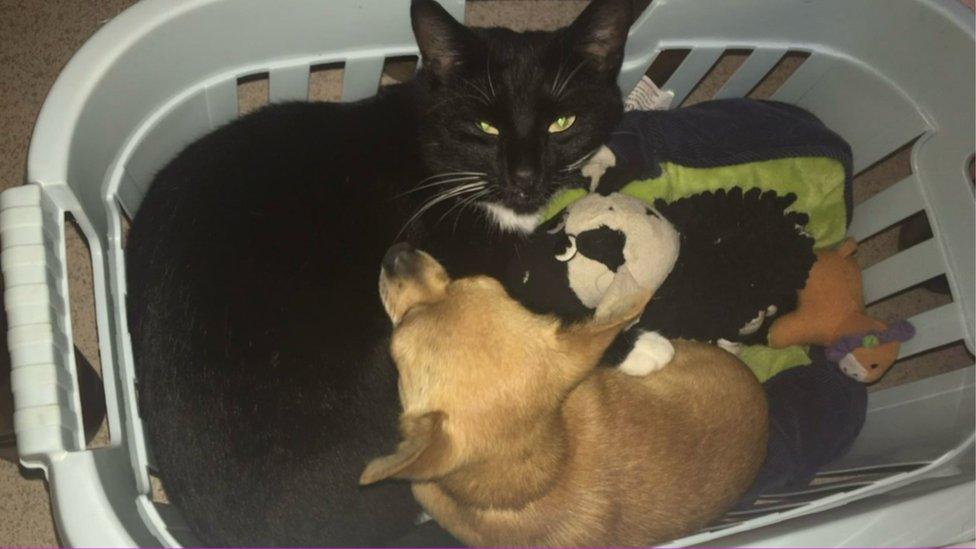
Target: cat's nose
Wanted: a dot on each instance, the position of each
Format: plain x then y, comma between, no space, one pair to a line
523,178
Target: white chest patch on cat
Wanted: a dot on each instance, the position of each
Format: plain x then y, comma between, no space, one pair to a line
509,220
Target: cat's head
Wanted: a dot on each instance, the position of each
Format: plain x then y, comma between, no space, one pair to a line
513,115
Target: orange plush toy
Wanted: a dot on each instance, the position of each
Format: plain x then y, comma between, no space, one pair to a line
866,357
830,307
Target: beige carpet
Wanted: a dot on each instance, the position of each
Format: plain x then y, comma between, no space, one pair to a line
37,37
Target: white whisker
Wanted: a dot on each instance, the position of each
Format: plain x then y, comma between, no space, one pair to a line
580,161
447,174
458,205
439,184
464,206
559,72
476,88
562,87
438,198
488,70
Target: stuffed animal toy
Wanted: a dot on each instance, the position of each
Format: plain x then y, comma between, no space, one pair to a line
816,411
830,312
867,357
829,306
568,264
725,144
722,145
742,259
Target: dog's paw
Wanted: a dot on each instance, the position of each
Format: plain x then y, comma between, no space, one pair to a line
651,352
731,346
597,165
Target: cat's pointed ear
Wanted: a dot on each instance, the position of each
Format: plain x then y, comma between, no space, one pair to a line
441,39
600,33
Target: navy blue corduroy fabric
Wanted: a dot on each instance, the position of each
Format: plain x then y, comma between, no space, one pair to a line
722,132
815,413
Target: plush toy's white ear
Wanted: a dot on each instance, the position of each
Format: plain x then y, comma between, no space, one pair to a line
652,247
650,251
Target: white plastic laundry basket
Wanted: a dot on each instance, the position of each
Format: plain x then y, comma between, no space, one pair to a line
879,72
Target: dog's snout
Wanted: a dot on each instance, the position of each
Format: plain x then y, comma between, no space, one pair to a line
409,277
398,257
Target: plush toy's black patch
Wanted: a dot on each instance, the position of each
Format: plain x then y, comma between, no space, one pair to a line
740,253
603,244
539,281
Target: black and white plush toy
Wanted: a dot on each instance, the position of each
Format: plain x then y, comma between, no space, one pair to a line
739,260
599,244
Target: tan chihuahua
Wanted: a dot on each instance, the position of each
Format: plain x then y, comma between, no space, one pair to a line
513,436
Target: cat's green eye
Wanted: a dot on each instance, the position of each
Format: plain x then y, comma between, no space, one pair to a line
487,128
562,123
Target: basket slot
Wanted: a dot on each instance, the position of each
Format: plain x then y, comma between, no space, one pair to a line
692,70
886,208
400,68
803,78
361,77
858,104
904,270
934,328
187,121
763,509
325,82
878,469
288,84
817,490
755,67
222,102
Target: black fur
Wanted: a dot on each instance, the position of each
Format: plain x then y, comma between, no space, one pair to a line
537,280
259,340
740,252
520,83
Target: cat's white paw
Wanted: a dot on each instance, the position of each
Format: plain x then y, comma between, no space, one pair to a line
733,347
651,352
597,165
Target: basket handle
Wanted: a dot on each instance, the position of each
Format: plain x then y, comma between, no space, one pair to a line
47,406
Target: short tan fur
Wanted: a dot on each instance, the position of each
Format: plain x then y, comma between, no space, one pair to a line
513,436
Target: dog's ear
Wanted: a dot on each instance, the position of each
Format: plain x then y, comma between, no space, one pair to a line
418,456
623,302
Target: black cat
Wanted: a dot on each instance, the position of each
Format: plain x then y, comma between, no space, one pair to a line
260,342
